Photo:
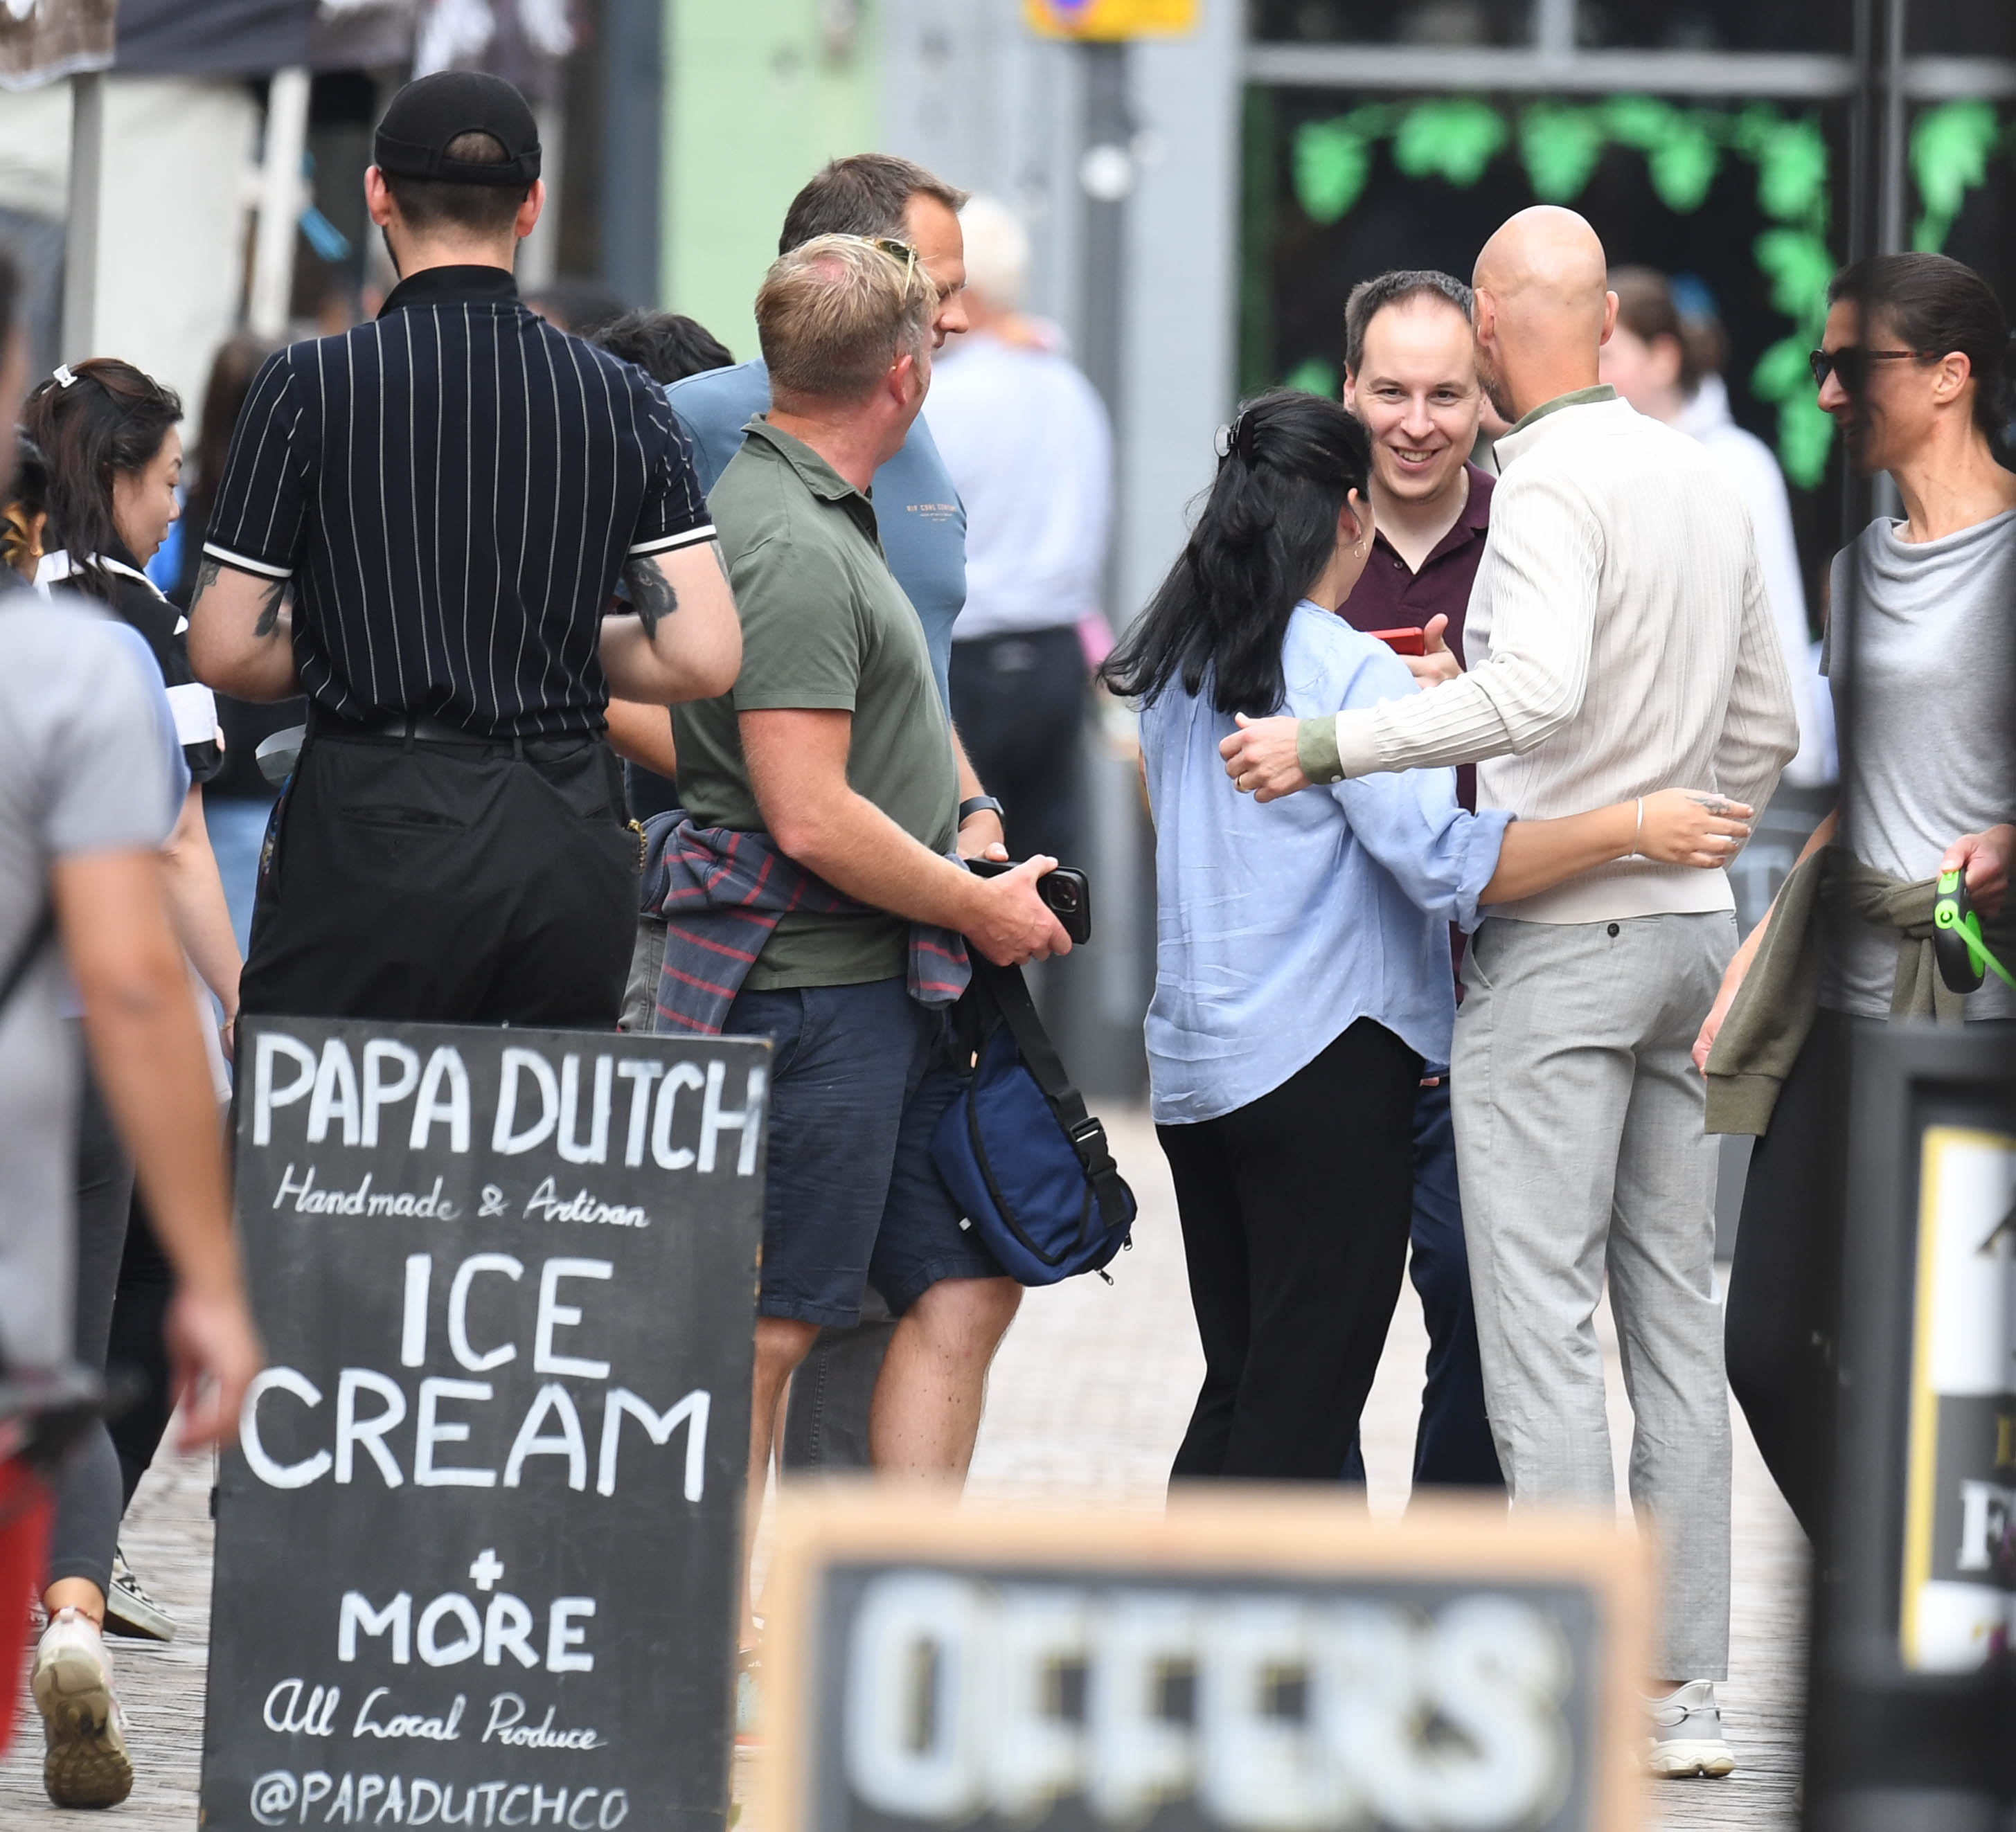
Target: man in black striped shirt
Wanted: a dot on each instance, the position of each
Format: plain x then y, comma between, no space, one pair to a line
421,524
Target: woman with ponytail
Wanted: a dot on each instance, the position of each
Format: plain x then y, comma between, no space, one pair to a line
1303,962
113,457
1922,652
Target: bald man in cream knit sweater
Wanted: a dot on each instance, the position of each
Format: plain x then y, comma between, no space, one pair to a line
1628,646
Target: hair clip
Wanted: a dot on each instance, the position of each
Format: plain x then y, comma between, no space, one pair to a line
63,377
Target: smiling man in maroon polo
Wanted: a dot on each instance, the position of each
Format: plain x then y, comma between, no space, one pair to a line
1410,376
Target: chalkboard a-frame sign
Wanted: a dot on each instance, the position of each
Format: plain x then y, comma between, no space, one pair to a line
477,1550
1250,1662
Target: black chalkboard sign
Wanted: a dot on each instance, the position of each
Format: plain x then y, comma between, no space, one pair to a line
1274,1661
477,1550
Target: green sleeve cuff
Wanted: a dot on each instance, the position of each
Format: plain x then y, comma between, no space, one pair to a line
1316,749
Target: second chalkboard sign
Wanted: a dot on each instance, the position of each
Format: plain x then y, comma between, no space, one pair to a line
477,1549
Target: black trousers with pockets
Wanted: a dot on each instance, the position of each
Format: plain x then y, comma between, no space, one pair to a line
455,883
1295,1209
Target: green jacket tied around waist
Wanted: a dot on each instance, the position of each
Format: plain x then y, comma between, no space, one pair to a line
1767,1025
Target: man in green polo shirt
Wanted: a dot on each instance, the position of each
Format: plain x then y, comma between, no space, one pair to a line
832,758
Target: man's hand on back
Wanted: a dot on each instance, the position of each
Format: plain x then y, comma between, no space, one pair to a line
1260,758
1011,923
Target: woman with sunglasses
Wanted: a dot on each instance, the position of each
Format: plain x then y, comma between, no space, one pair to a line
1914,369
113,457
1302,960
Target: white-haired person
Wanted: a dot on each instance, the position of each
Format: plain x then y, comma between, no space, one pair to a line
1027,440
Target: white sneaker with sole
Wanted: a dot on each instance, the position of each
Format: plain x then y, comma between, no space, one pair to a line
1687,1735
130,1610
85,1762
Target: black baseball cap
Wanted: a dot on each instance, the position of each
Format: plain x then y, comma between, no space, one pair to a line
412,139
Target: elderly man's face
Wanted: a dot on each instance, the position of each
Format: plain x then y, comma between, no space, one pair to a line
933,231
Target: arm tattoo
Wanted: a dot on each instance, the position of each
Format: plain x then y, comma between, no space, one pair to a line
651,594
269,611
206,575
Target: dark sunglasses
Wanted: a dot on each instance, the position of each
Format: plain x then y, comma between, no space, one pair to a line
1851,363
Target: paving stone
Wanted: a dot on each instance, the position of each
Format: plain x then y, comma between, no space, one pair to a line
1088,1402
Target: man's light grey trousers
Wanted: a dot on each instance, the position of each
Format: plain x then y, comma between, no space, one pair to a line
1579,1141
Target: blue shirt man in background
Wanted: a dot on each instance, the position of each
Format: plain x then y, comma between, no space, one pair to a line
923,527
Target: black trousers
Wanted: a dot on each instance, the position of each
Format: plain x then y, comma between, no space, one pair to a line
447,882
1295,1209
1019,703
1783,1314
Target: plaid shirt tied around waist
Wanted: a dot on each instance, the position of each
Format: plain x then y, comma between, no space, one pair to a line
722,893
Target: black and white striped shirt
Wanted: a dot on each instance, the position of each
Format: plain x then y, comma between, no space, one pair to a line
453,489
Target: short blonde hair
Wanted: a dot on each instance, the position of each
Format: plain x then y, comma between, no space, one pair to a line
834,313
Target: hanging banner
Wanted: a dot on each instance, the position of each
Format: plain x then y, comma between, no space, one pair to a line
478,1549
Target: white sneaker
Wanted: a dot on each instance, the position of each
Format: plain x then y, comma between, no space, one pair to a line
1687,1735
85,1762
130,1610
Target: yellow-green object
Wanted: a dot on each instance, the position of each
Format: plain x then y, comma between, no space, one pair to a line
1963,957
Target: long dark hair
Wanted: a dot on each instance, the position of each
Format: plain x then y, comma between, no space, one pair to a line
1268,530
1936,305
93,419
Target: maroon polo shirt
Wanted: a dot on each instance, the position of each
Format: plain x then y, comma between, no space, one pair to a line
1389,597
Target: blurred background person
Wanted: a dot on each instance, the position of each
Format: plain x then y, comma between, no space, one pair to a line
25,515
113,458
239,800
1028,445
667,347
1664,365
582,306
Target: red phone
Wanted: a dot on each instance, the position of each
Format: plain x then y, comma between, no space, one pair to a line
1402,641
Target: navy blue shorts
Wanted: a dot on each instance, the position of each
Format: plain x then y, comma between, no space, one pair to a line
858,1080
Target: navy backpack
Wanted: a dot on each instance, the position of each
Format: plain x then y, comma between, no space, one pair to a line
1026,1162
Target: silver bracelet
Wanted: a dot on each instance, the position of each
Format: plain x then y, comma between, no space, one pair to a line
1640,833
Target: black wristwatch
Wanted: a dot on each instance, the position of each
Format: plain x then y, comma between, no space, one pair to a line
974,804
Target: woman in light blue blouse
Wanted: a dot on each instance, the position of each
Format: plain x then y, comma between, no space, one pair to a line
1302,969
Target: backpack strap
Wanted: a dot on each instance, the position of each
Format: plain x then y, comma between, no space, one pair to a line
1009,993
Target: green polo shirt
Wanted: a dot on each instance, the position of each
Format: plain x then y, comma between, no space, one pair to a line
825,626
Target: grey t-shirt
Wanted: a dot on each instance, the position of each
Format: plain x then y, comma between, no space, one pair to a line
86,744
1934,665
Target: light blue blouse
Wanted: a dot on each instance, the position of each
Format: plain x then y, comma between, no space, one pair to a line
1281,924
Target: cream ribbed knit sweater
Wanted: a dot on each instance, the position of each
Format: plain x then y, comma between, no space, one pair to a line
1621,643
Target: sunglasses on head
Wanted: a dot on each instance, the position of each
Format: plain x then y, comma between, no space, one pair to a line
1851,363
896,250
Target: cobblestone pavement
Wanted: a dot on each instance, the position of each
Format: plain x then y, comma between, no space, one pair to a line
1121,1363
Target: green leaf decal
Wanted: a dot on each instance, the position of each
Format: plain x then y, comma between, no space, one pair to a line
1454,139
1683,165
1791,168
1800,264
1314,375
1806,435
1560,146
1332,160
1949,149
